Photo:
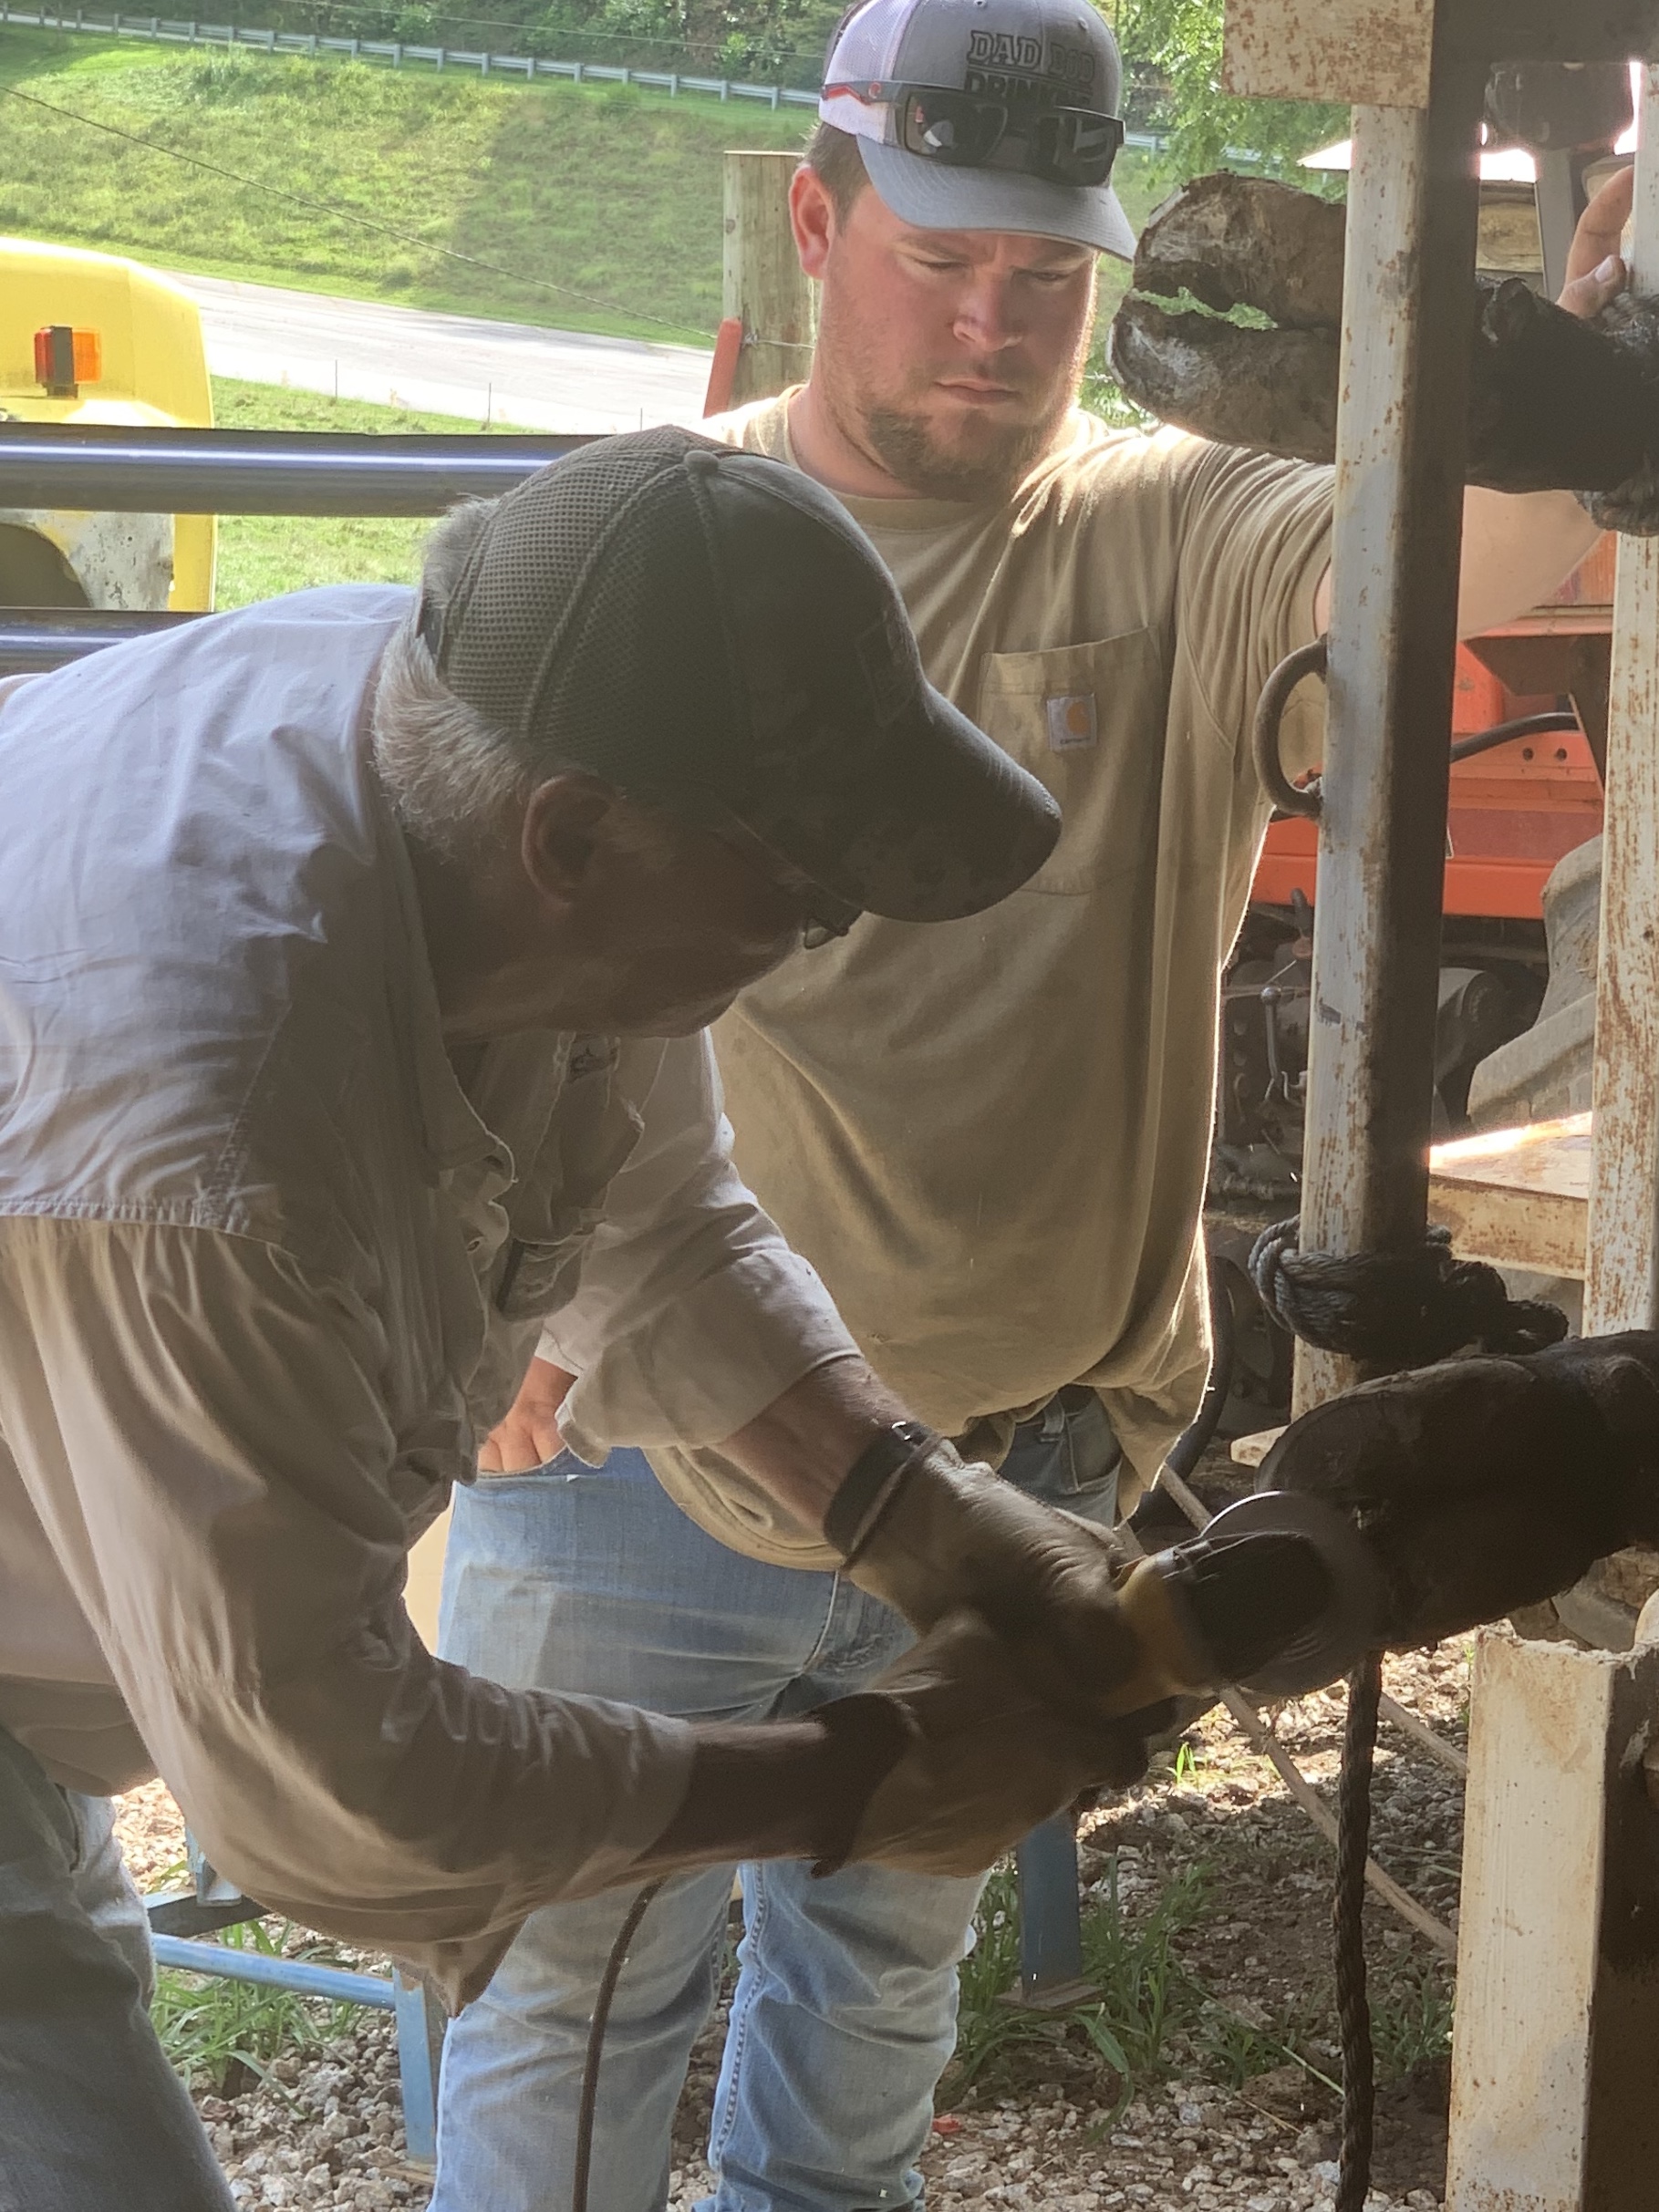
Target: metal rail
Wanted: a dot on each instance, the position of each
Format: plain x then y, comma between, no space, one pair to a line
296,1974
34,639
304,472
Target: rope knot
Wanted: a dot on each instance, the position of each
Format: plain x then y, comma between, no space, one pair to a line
1395,1310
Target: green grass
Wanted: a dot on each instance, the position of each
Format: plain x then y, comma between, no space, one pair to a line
600,208
261,555
216,2033
1152,2016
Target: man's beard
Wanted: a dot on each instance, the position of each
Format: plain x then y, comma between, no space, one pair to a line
987,458
910,449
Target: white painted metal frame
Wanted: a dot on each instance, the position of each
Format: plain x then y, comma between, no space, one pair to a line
1555,2093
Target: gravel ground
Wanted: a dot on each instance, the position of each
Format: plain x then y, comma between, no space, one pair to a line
1233,2127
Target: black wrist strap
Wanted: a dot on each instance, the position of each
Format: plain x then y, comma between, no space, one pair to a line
872,1482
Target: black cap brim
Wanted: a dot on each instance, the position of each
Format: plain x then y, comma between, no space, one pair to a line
942,824
862,777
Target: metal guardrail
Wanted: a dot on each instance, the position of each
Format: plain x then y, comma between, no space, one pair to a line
257,39
165,32
303,472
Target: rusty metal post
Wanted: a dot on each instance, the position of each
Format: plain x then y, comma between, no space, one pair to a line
1413,211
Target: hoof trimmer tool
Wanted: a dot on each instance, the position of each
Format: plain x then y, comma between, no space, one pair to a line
1278,1595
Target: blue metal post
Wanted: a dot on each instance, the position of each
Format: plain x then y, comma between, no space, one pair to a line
1051,1914
420,2026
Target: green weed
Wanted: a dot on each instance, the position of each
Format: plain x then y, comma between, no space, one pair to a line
216,2033
1142,1989
1411,2015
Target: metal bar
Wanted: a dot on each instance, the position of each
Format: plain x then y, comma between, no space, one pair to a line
1413,208
421,2023
1622,1278
295,1974
34,639
1544,30
310,473
1050,1914
180,1912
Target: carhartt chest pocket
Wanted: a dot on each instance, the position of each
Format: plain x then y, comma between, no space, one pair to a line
1088,721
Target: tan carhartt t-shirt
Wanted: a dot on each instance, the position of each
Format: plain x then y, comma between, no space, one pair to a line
990,1136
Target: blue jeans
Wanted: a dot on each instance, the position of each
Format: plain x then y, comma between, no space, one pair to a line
591,1579
92,2117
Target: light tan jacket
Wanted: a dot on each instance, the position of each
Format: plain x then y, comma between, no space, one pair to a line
266,1271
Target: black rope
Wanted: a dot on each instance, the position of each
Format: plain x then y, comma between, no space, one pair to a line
595,2044
1395,1310
1387,1309
1348,1929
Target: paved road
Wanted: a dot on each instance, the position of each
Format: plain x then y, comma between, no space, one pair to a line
451,364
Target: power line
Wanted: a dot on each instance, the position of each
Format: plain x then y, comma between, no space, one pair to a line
363,222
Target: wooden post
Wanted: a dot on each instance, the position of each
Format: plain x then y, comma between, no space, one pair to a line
1553,2068
1553,2071
761,284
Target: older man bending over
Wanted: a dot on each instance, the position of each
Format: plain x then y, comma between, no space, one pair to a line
354,953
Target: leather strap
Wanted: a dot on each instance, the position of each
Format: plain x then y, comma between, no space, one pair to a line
873,1482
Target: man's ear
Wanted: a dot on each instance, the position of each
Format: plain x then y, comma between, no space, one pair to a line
811,216
562,831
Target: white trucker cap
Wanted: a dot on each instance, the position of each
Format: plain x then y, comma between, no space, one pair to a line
985,115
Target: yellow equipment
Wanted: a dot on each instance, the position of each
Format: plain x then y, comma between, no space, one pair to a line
91,338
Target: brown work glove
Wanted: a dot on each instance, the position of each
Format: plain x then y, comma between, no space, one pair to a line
1488,1484
986,1758
956,1535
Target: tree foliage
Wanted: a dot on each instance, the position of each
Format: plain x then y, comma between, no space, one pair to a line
1173,52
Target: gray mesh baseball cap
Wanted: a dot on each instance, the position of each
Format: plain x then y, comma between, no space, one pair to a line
710,632
1049,68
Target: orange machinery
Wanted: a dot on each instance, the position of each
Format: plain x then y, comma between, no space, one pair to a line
1519,809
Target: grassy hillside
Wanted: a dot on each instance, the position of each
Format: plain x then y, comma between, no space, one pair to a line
600,208
262,554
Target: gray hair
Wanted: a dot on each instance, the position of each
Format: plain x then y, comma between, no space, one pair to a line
450,773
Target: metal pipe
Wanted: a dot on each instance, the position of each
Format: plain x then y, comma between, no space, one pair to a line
309,472
1413,211
296,1974
34,639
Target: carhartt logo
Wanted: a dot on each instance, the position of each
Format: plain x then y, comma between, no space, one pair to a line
1072,727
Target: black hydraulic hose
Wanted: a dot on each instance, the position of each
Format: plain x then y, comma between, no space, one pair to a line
1190,1446
1505,733
596,2043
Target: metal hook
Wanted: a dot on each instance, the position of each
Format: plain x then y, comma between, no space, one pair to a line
1288,797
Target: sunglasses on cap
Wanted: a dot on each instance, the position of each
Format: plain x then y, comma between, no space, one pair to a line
1075,146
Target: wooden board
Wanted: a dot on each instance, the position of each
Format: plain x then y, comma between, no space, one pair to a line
1552,2103
1517,1198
